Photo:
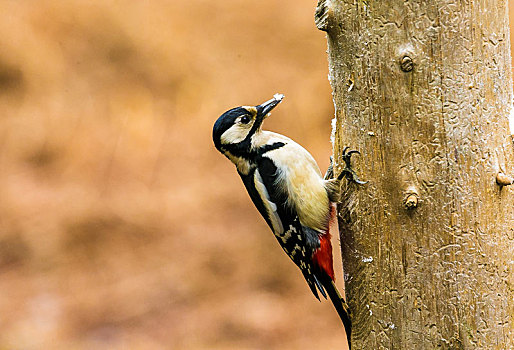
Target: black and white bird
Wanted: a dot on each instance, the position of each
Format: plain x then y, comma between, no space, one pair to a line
285,184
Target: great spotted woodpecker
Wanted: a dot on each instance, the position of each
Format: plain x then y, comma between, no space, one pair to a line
285,184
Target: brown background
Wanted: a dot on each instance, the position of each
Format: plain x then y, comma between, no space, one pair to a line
120,225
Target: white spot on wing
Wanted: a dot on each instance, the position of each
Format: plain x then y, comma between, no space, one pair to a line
285,237
271,207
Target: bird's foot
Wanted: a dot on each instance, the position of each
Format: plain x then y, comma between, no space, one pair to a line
348,171
330,171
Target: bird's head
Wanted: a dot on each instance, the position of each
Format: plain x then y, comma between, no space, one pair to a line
237,125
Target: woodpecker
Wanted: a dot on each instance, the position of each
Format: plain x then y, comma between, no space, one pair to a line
285,184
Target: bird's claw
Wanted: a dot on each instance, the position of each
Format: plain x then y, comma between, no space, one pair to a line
330,171
348,171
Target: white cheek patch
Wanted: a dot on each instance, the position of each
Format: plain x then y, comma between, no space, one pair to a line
235,134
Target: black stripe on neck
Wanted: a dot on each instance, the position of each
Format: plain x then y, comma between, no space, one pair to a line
243,149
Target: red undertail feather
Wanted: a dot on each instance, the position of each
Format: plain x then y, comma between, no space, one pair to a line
323,255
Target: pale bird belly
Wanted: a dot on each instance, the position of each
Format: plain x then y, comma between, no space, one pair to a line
310,196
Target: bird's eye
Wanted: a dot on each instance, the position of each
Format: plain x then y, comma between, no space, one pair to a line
245,119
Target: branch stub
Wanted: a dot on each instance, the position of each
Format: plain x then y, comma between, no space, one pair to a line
406,63
504,180
411,200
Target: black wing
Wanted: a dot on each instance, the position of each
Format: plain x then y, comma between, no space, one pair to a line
299,242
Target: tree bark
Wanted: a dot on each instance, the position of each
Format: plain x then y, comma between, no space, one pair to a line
423,90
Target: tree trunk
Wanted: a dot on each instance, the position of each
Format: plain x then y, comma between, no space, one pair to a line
423,90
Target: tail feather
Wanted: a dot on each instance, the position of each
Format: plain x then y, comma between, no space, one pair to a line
312,283
320,287
339,304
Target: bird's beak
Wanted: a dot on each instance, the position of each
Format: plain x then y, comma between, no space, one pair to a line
265,108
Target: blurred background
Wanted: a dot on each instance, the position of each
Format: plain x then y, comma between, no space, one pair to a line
121,227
